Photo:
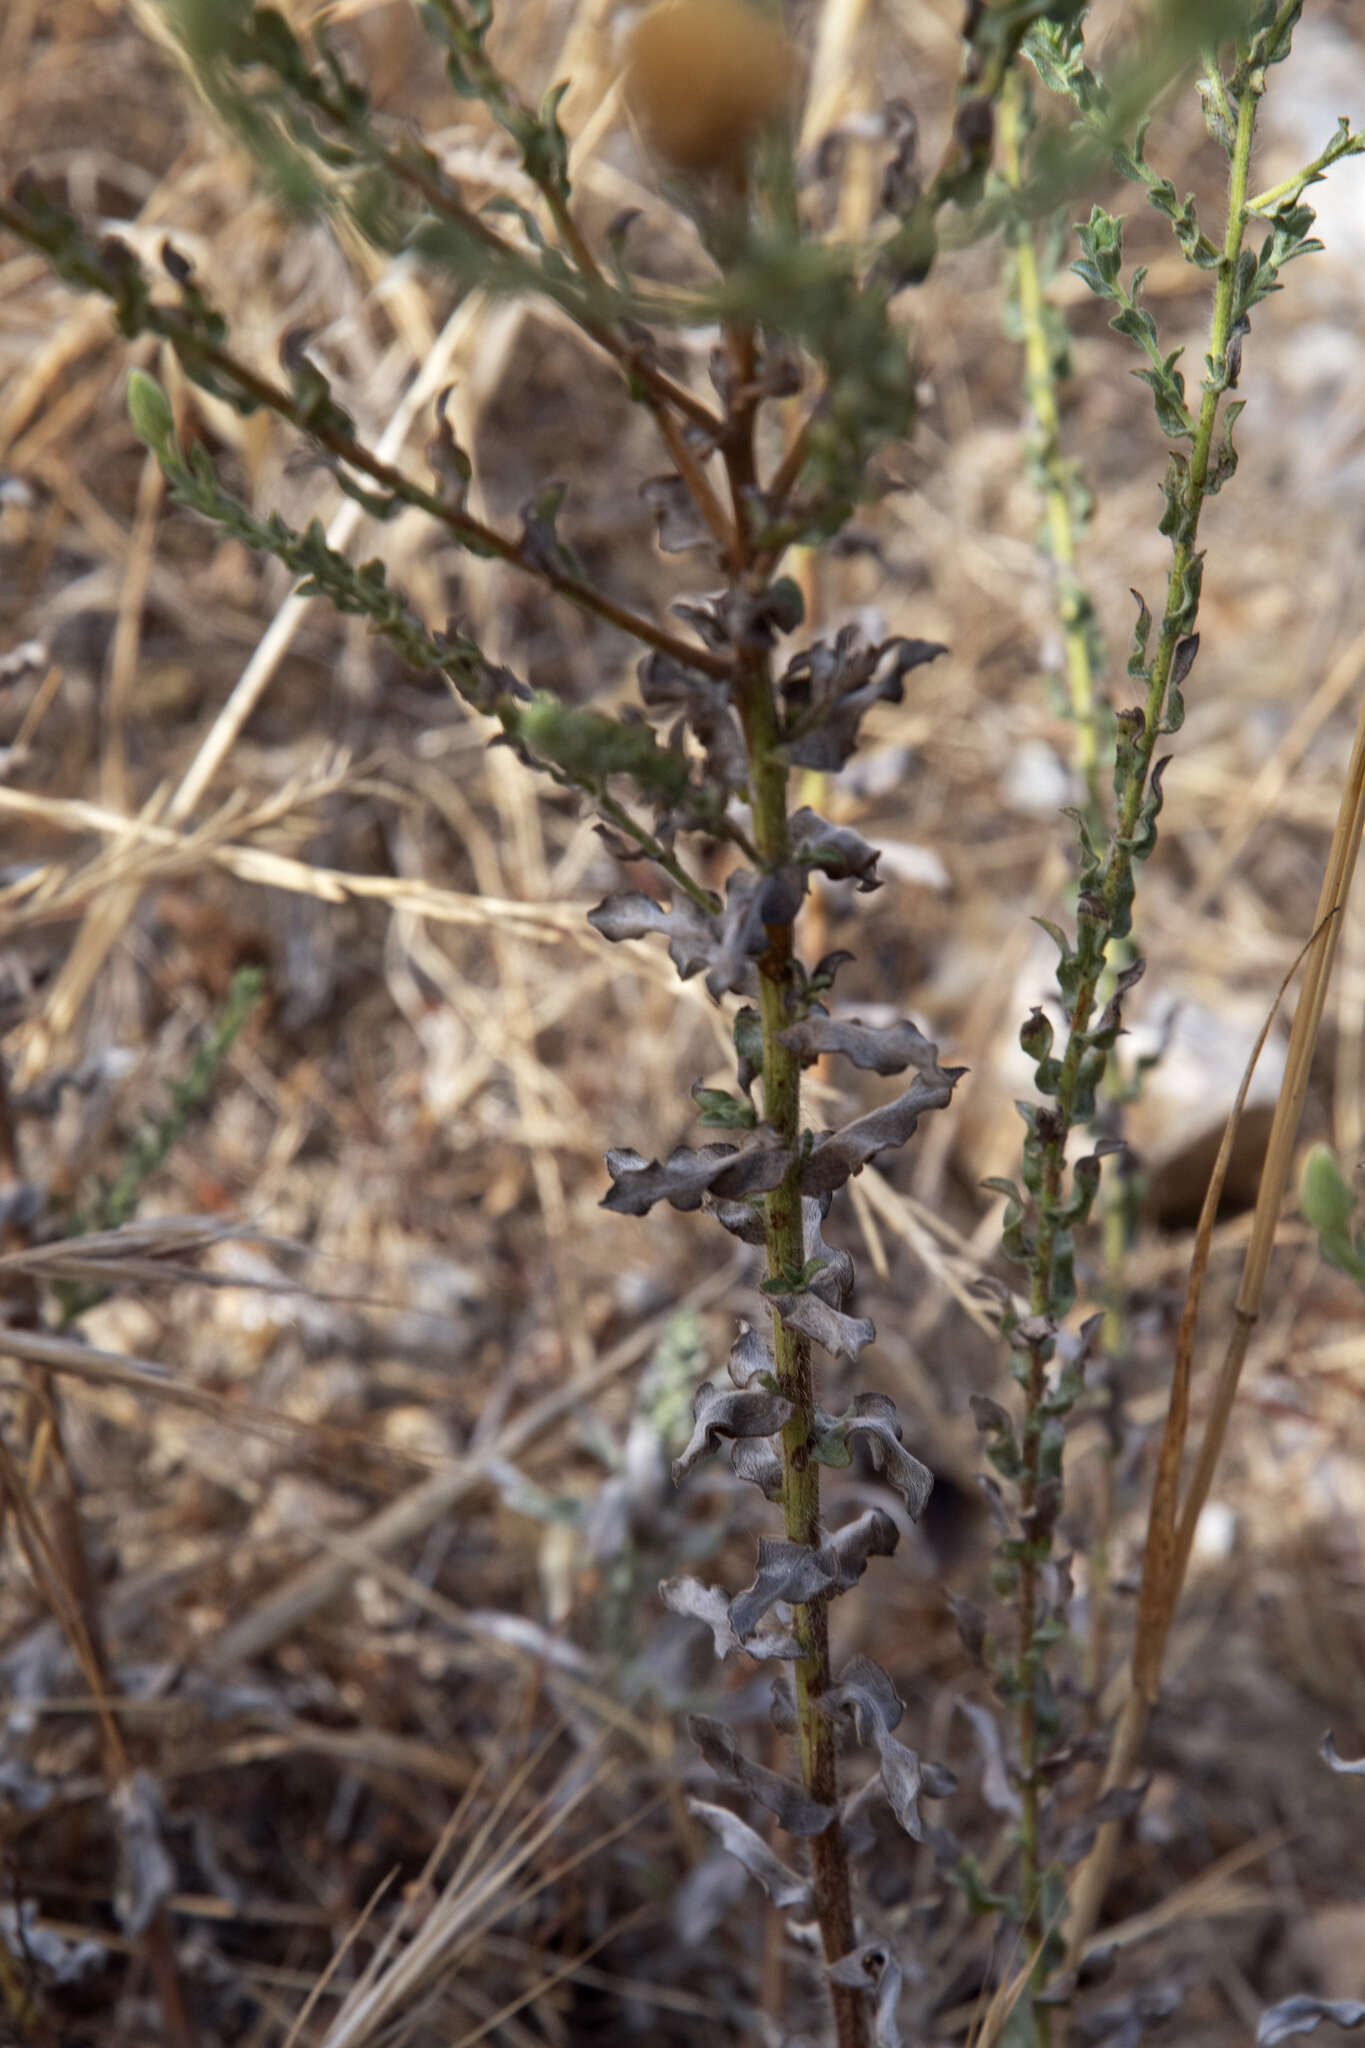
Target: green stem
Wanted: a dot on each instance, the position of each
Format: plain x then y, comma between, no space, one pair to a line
1073,604
1094,953
785,1240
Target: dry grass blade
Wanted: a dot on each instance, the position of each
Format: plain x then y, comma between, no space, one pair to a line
475,1897
310,1590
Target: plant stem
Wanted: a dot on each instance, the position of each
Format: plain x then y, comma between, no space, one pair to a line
785,1238
784,1227
1074,610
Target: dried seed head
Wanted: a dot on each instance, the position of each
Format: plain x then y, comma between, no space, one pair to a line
704,77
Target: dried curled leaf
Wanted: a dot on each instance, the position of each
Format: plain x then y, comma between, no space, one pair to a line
751,1358
875,1417
752,903
703,704
866,1691
795,1810
879,1048
726,1412
837,850
1120,1802
732,1170
630,914
1304,2015
788,1892
874,1968
786,1571
675,510
756,1460
873,1534
1350,1767
696,1602
827,688
840,1154
842,1336
996,1788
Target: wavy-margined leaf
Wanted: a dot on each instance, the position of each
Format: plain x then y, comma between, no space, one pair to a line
996,1788
685,1176
838,1155
873,1968
843,1336
837,850
872,1534
827,688
751,1357
788,1892
711,1605
728,1412
866,1692
796,1811
876,1419
880,1048
757,1461
693,937
752,903
1304,2015
786,1571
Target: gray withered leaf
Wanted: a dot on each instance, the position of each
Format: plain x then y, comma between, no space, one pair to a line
146,1872
872,1534
742,1219
751,1168
752,903
870,1696
788,1892
827,688
786,1571
995,1505
1351,1767
874,1968
880,1048
876,1419
796,1811
695,1602
837,850
841,1335
751,1357
692,936
860,1835
755,1460
840,1154
971,1625
1120,1802
728,1411
703,703
834,1281
680,524
996,1788
1303,2015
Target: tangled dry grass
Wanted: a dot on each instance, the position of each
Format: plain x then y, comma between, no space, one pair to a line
365,1437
